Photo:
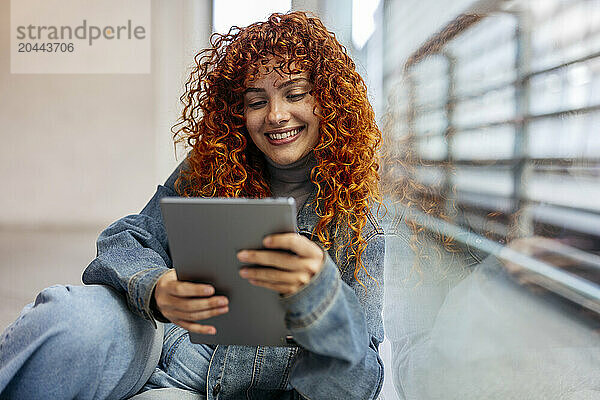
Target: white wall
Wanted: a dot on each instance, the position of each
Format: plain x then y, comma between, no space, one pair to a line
181,29
84,150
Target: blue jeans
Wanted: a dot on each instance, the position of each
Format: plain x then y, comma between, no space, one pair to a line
83,342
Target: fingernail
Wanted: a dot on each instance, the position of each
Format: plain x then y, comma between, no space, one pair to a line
242,255
222,302
267,241
243,272
212,331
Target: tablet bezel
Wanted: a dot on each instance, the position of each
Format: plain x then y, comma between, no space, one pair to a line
204,237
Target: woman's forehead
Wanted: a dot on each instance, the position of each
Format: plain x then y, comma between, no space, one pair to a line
275,72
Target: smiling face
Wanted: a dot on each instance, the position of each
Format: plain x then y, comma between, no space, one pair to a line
280,115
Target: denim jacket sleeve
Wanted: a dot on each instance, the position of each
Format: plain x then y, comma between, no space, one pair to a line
339,328
132,253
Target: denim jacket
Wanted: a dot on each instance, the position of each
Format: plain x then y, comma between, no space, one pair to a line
336,323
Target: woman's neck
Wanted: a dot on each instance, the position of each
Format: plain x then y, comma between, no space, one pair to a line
296,172
292,180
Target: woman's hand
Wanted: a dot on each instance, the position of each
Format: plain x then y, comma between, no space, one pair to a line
291,271
184,303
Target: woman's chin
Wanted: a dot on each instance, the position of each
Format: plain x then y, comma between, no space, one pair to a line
284,160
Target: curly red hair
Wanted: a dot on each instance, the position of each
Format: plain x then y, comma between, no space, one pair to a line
224,161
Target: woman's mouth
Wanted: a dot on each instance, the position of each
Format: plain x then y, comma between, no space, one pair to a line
285,137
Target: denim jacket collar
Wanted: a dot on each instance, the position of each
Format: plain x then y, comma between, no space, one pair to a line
307,218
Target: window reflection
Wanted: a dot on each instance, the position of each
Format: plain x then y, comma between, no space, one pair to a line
493,176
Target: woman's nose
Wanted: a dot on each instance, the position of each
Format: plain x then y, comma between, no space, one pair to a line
278,113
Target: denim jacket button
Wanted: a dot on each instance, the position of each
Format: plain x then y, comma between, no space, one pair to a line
216,389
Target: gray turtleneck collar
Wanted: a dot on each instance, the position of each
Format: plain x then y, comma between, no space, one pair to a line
292,180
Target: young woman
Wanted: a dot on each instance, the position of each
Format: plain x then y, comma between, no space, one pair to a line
274,109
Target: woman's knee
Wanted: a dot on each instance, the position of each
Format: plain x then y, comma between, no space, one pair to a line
86,333
80,318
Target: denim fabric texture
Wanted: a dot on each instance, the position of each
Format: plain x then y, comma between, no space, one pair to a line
77,342
335,321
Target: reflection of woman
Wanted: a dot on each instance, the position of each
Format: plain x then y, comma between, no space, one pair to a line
274,109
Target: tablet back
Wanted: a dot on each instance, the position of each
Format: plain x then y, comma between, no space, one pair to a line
204,237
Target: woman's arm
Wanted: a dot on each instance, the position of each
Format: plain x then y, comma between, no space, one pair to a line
329,322
341,333
133,257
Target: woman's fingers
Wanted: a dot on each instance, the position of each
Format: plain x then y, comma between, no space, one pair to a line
188,289
187,312
196,304
198,315
281,281
168,285
300,245
270,258
195,327
193,309
166,301
292,271
308,256
275,276
283,288
185,303
282,261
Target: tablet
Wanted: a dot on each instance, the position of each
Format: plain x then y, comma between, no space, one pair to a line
204,237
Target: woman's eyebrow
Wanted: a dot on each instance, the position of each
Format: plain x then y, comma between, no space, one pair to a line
282,85
253,89
291,82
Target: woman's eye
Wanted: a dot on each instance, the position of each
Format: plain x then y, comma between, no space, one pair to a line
296,96
256,104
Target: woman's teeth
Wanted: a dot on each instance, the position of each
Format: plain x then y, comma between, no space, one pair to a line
284,135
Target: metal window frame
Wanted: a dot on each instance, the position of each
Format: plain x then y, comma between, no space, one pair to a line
521,164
